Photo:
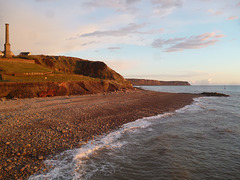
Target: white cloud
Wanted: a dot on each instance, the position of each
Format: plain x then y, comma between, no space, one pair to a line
89,43
216,13
118,5
233,18
192,42
131,28
165,7
114,48
168,3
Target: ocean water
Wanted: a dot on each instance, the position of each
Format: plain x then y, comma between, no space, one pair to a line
199,141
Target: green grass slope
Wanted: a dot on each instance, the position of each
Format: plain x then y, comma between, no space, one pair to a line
21,67
47,78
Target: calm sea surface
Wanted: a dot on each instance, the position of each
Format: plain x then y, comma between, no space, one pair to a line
199,141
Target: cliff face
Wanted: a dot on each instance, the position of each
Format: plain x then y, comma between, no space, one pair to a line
49,89
145,82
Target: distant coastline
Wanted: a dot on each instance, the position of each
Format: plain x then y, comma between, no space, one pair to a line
146,82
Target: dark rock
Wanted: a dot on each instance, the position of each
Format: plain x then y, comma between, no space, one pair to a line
214,94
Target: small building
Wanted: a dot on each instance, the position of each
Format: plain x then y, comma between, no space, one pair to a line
1,54
25,54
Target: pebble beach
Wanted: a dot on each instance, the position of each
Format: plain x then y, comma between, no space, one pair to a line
33,130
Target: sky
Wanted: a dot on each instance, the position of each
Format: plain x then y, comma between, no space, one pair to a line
187,40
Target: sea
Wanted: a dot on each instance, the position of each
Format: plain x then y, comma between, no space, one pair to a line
199,141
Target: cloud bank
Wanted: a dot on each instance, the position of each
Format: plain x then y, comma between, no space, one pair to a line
165,7
192,42
131,28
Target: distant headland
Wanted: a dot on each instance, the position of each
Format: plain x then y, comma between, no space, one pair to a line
146,82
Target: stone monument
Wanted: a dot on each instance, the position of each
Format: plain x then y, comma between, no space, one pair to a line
7,46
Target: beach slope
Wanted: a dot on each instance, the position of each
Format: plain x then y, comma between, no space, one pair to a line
32,130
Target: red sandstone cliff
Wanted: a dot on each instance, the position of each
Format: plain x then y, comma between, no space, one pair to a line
48,89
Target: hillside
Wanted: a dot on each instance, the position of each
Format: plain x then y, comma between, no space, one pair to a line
41,76
55,68
72,65
145,82
21,67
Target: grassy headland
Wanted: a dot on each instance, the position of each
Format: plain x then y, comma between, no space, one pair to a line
41,74
56,68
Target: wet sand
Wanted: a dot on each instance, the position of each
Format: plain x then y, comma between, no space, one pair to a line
32,130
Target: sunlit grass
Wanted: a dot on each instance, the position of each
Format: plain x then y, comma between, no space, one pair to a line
48,78
20,67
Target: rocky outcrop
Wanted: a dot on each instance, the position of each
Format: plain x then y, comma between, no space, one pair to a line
48,89
145,82
96,69
214,94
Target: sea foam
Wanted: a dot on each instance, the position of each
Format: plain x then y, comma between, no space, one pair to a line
71,164
195,106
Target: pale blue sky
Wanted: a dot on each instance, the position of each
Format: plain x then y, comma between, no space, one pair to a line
193,40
